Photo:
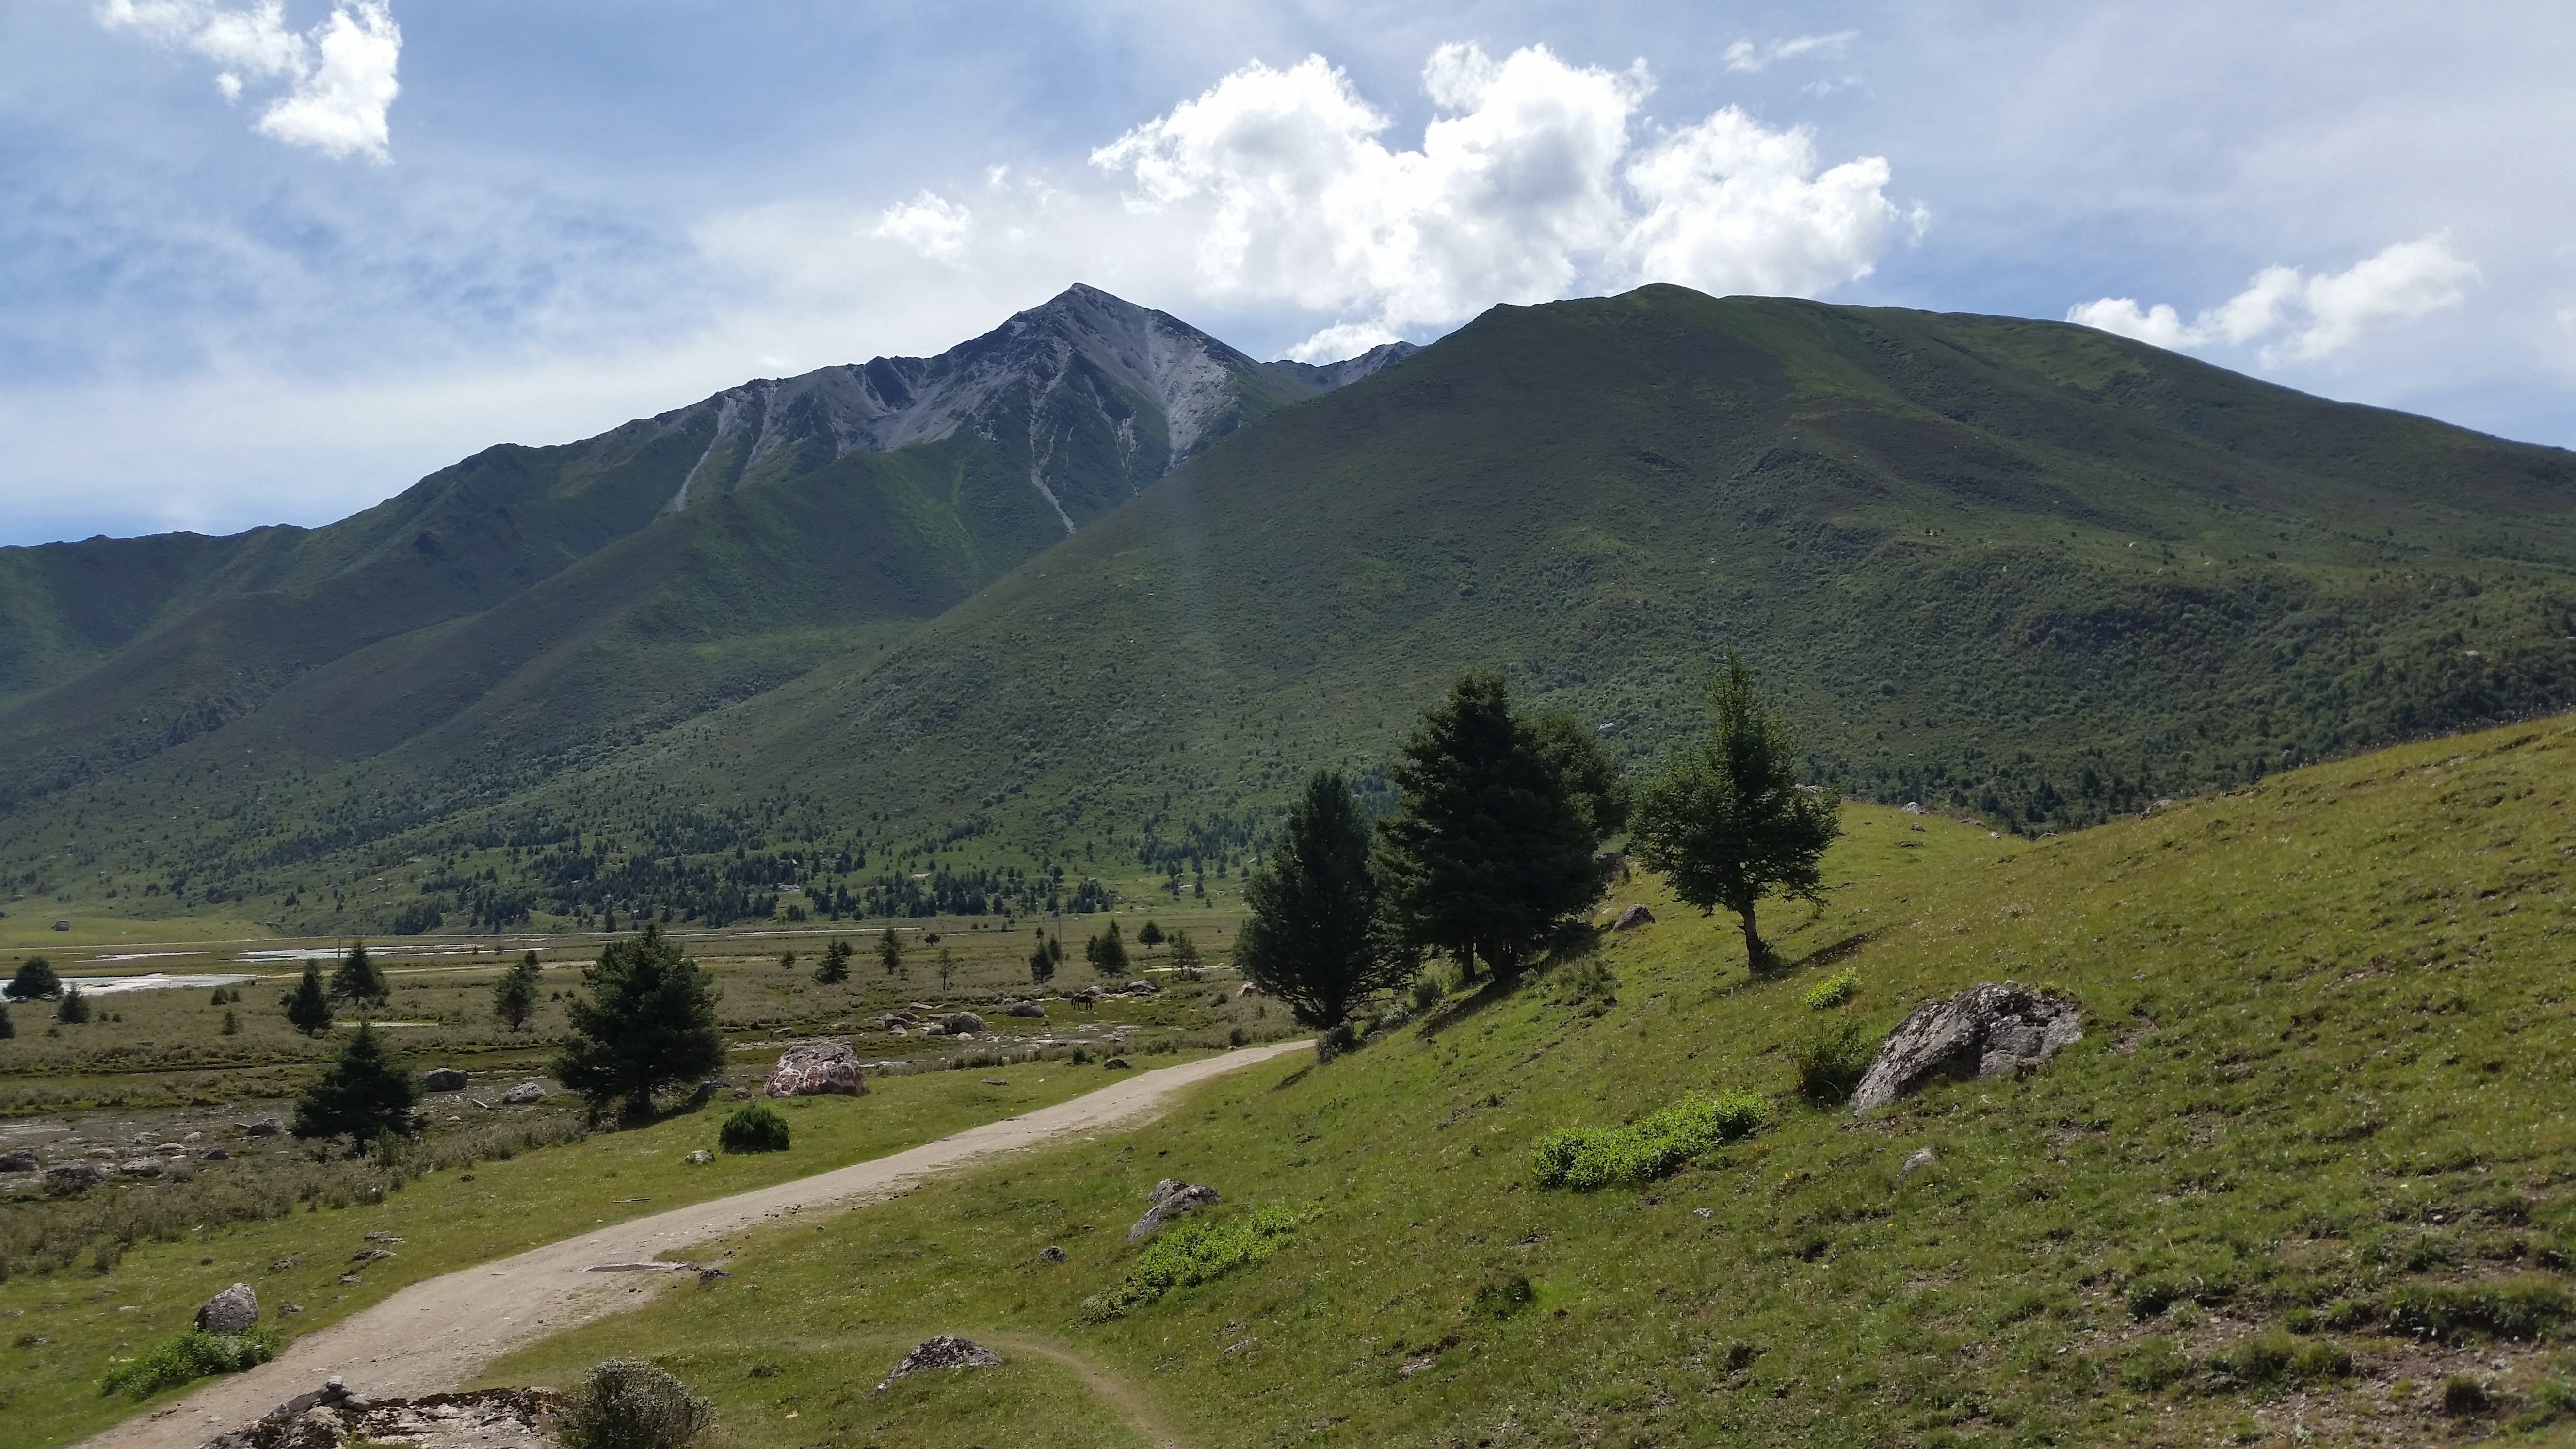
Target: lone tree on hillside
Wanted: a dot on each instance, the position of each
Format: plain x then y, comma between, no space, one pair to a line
835,967
1729,822
1493,844
308,1006
368,1092
357,979
35,981
889,952
1107,952
1316,938
1151,936
514,996
73,1009
1185,956
648,1022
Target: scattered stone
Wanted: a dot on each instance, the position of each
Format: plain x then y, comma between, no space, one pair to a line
1115,1064
284,1309
370,1255
484,1419
1611,865
214,1154
1162,1190
264,1127
699,1158
145,1139
709,1275
1248,989
140,1167
1414,1366
960,1023
945,1351
443,1079
381,1237
19,1162
282,1264
523,1094
172,1149
1912,807
1053,1254
1703,1214
233,1311
997,1081
816,1068
1141,987
1920,1157
350,1278
1632,918
1025,1008
1984,1031
1182,1198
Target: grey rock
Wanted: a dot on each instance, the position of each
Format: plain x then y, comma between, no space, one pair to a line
1915,1161
234,1311
443,1079
1163,1189
370,1255
264,1127
524,1093
214,1154
814,1068
19,1162
140,1167
1115,1064
700,1158
945,1351
961,1021
1142,987
1633,917
282,1264
1183,1199
1984,1031
1025,1008
1053,1254
172,1149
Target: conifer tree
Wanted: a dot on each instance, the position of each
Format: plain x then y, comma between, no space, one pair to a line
1316,938
1493,844
73,1008
835,967
514,996
1107,952
1185,955
308,1006
357,979
367,1093
1151,936
1042,960
648,1022
35,981
1729,823
8,1028
889,951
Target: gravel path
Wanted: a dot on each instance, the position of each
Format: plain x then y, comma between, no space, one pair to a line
438,1334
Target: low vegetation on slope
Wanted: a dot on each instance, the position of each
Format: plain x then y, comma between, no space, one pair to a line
2309,1176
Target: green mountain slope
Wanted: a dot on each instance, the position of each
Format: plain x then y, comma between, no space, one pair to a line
2308,1169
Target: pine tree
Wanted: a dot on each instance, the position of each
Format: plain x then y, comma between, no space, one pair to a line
1185,955
8,1028
1729,822
73,1009
835,968
889,951
514,996
1107,953
1041,962
1316,938
367,1093
357,978
35,981
1151,936
232,1024
1492,847
308,1006
648,1022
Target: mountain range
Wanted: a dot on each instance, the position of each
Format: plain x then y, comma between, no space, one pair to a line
1096,587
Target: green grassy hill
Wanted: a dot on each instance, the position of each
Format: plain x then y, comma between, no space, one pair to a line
2306,1179
2018,568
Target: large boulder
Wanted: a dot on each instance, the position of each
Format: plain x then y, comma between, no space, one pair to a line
523,1094
69,1177
21,1161
1025,1008
945,1351
814,1068
234,1311
140,1167
1171,1197
959,1022
443,1079
1633,917
1984,1031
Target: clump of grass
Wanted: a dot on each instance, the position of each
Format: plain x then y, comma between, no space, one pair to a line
2525,1307
1503,1295
191,1356
1588,1158
1833,991
1192,1251
624,1404
1827,1065
754,1126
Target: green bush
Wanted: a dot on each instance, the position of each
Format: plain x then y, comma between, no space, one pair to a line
1833,991
1194,1250
754,1127
2153,1365
2463,1396
1504,1295
1827,1065
623,1404
1587,1158
187,1358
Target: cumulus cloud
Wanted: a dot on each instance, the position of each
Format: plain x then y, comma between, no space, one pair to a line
930,224
2322,314
1526,182
340,74
1744,55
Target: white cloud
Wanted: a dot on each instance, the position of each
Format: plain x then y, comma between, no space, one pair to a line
2324,314
930,224
341,73
1517,193
1744,55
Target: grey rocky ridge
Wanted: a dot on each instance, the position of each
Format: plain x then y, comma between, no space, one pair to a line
1984,1031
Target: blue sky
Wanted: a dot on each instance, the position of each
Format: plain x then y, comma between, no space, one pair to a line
272,260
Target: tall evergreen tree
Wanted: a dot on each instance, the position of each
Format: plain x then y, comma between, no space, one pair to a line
1107,953
1316,938
35,981
73,1008
889,951
357,978
648,1022
1492,846
835,967
1042,960
514,996
368,1092
308,1006
1728,823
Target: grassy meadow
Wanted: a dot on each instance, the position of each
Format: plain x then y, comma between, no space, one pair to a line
2306,1179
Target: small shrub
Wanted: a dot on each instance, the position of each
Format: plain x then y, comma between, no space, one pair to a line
2257,1362
623,1404
1827,1065
187,1358
755,1126
1833,991
1587,1158
2526,1307
1586,984
1504,1295
2463,1396
1191,1251
2153,1366
2555,1399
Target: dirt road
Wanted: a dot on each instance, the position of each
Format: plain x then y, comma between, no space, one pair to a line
436,1335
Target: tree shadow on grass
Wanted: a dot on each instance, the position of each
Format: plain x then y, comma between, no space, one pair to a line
1573,942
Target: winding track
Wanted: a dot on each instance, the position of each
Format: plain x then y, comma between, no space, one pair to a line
437,1334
